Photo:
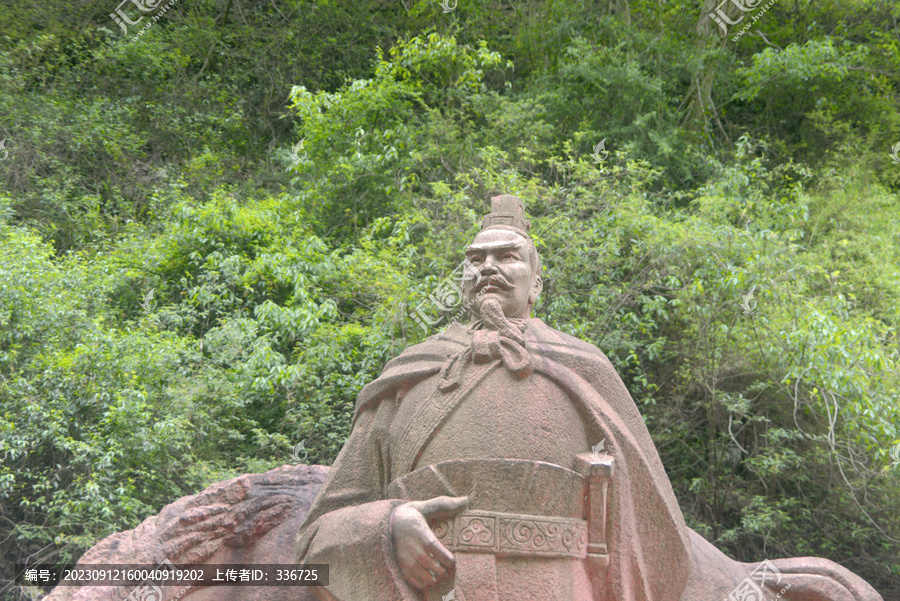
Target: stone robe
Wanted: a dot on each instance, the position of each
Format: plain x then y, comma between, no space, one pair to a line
571,400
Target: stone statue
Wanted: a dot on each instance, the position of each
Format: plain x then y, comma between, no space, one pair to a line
503,460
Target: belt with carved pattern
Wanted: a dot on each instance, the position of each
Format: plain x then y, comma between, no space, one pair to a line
511,534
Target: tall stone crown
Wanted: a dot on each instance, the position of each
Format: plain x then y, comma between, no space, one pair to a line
507,210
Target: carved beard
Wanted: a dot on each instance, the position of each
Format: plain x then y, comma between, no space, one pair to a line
493,318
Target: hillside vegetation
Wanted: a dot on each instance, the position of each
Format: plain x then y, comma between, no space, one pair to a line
213,232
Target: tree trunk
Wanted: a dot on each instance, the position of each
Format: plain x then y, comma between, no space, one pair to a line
717,19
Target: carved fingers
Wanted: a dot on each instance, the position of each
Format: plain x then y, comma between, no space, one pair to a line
422,558
441,507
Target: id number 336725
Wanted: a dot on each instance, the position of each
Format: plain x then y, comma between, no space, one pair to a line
297,575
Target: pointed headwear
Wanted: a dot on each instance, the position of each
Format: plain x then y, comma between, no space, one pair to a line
507,212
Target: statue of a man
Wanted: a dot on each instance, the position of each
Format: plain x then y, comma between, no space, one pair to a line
465,474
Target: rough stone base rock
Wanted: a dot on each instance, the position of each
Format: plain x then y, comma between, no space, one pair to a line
253,518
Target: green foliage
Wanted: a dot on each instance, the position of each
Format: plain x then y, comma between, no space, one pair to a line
212,237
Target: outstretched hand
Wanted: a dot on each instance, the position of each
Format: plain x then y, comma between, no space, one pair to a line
421,556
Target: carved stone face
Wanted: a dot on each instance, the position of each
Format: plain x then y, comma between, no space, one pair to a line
501,258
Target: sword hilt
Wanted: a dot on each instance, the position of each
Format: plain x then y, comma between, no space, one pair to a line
597,469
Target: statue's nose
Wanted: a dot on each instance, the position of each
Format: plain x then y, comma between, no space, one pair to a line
488,267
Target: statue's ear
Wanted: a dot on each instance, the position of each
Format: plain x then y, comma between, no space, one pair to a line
537,285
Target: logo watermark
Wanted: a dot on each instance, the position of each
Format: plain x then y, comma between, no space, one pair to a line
747,302
449,5
597,449
751,587
121,18
721,18
296,159
451,596
895,153
295,452
448,295
147,303
3,148
895,454
600,153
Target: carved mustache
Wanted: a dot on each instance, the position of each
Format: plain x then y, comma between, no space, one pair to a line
495,280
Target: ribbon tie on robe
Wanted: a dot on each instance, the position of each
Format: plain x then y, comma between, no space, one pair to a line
493,337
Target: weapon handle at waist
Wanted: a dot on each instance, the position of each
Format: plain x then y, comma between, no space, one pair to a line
598,471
